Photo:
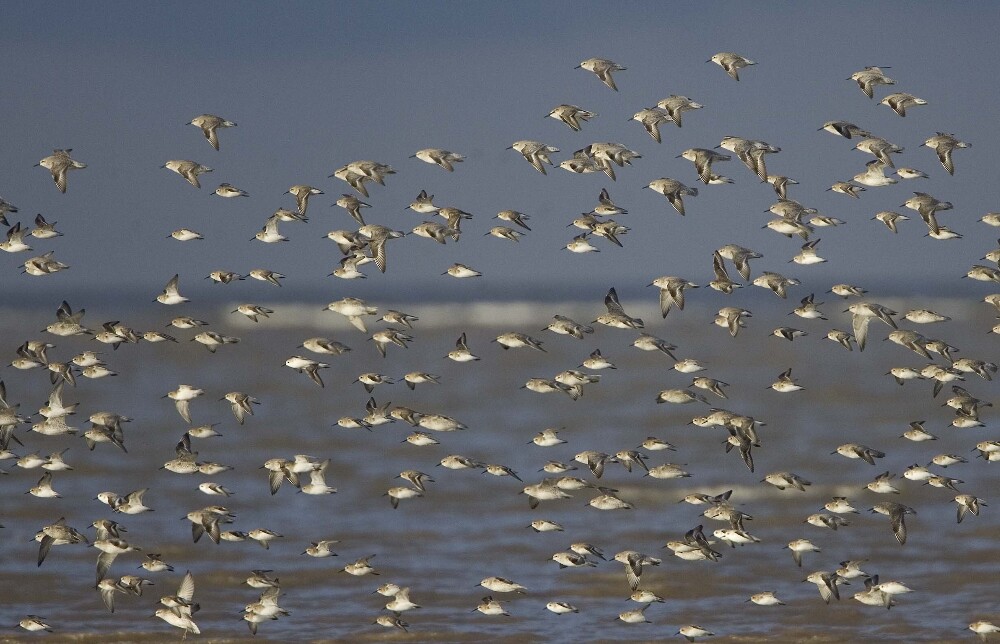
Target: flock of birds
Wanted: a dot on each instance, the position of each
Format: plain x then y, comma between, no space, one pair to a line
370,243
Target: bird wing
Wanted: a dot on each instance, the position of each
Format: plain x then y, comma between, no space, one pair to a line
612,303
211,134
104,561
944,156
186,590
43,549
898,525
184,409
860,327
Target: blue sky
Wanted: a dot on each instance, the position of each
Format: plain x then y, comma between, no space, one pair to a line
316,86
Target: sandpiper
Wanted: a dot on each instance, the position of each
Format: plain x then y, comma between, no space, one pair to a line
57,163
209,124
602,67
731,62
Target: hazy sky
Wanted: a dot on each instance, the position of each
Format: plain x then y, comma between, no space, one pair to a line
314,86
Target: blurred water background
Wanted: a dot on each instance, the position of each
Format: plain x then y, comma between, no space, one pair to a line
469,525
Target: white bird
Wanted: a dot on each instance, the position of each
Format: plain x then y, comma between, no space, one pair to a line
171,294
209,124
602,67
437,156
535,153
731,62
178,608
187,169
571,115
58,163
899,101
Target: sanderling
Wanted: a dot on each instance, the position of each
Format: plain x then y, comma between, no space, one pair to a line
602,67
731,62
692,631
353,308
896,513
534,152
827,583
461,353
187,169
767,598
490,606
671,292
571,115
229,191
544,525
981,628
547,438
36,623
616,316
899,101
869,77
651,119
783,480
209,124
437,156
673,190
637,616
58,163
675,106
561,608
799,547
